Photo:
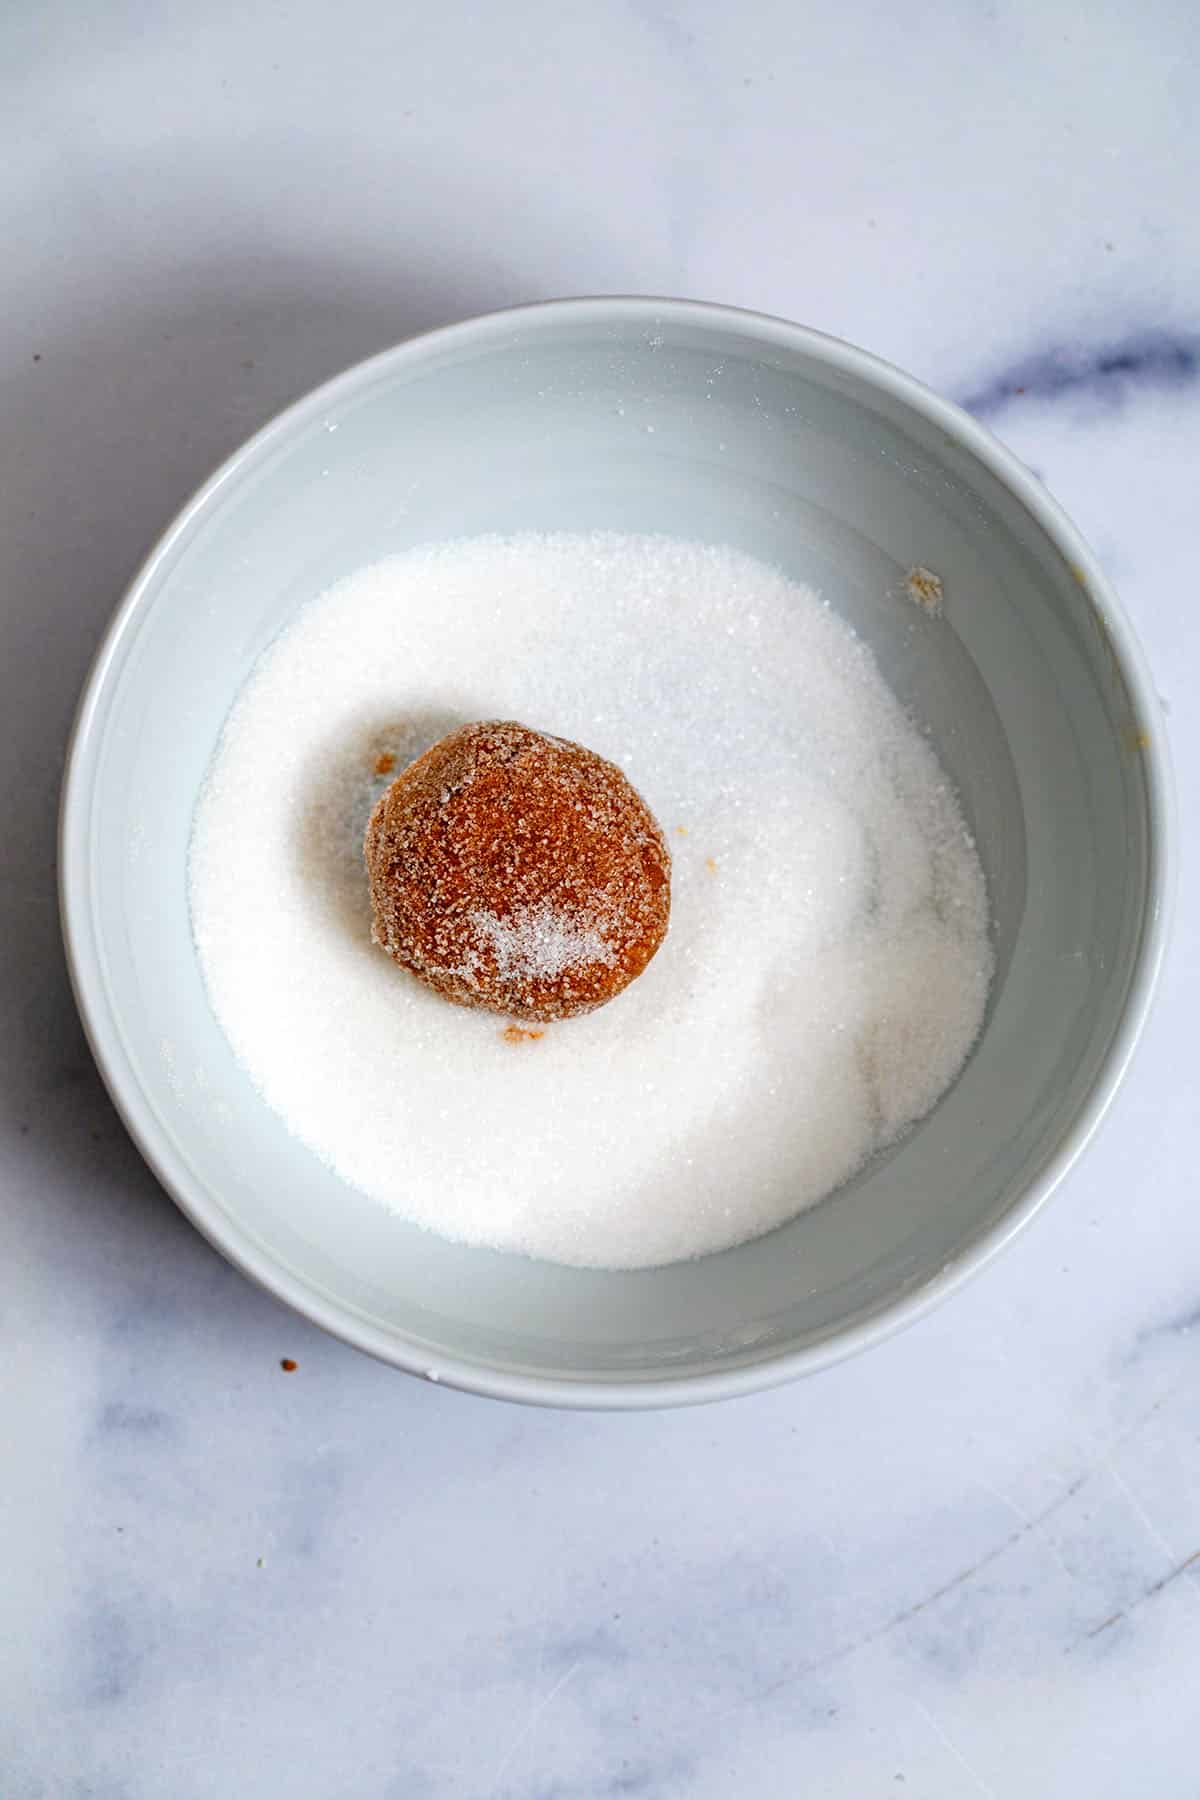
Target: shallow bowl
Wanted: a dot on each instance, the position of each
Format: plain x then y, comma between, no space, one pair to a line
708,423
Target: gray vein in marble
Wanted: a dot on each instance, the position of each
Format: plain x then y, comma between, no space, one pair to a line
644,1777
647,1777
1145,361
411,1783
961,1578
729,1620
662,23
732,1619
1177,1326
113,1646
82,1789
120,1417
1151,1593
310,1496
598,1646
1160,1336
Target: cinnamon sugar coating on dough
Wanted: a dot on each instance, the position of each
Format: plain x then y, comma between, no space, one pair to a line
517,872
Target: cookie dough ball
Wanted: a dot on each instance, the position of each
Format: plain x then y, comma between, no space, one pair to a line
517,872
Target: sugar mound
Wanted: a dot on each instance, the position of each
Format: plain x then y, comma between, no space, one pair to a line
828,961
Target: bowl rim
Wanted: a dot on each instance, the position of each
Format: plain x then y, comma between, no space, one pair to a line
774,1367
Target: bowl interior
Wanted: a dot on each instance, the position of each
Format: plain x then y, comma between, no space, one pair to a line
703,425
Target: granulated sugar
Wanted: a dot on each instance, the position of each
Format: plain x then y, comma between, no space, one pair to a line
540,941
828,959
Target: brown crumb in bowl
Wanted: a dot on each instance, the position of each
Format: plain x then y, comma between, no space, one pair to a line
926,589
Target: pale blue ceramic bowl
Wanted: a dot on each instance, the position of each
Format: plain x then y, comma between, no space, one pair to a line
816,457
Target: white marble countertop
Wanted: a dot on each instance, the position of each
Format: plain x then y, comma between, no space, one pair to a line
967,1563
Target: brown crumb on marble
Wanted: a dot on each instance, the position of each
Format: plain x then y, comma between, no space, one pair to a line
385,764
516,1034
287,1365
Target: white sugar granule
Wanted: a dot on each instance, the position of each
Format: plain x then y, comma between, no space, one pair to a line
541,943
828,960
